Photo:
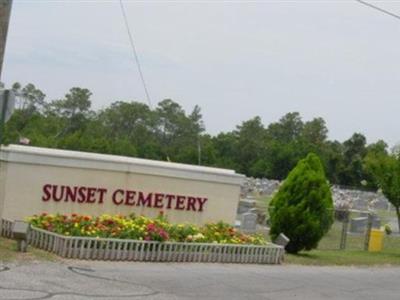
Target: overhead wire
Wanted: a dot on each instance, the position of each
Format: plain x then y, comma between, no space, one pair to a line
379,9
135,55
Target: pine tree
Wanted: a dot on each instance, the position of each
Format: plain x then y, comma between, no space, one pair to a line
302,209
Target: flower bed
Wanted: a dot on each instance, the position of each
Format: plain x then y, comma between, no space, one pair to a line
142,228
116,249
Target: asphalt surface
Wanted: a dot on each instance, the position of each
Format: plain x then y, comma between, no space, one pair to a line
109,280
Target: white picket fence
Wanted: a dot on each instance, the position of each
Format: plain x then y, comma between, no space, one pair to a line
152,251
6,228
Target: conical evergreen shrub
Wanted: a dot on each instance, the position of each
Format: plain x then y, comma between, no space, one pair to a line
302,208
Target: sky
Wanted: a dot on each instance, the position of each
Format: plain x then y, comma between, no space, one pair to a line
338,60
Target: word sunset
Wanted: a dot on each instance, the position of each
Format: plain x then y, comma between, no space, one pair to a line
95,195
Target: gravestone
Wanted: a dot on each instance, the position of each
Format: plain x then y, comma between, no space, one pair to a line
282,240
376,222
253,210
245,205
360,204
249,222
380,203
358,225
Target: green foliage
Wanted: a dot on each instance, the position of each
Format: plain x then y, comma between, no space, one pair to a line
302,209
385,169
388,229
167,132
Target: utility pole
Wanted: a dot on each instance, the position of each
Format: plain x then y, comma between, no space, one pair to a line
7,99
5,12
198,150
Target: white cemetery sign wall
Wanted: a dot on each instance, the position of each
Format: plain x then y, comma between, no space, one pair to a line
35,180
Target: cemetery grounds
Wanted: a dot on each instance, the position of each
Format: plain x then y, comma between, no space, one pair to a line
329,252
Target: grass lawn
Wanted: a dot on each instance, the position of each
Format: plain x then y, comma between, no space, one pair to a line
328,252
344,258
8,253
315,257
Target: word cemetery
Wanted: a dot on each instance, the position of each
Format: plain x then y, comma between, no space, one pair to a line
35,180
81,194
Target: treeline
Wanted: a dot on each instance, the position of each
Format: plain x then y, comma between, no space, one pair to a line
167,132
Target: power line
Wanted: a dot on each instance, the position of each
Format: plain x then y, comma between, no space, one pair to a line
379,9
135,54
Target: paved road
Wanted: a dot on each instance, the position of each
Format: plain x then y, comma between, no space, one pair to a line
106,280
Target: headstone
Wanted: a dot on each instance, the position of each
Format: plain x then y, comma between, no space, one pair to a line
360,203
358,225
380,204
376,222
253,210
282,240
245,205
249,222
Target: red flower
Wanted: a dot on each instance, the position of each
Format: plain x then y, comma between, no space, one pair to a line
164,235
151,227
109,222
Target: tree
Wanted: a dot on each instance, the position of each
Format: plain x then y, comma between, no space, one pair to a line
29,98
226,148
287,129
315,132
373,150
74,110
354,151
251,145
132,122
284,146
334,161
386,171
177,133
76,102
302,209
30,102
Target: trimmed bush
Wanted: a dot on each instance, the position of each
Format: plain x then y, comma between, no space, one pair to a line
302,208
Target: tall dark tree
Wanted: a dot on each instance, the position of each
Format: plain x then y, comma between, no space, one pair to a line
354,151
250,144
